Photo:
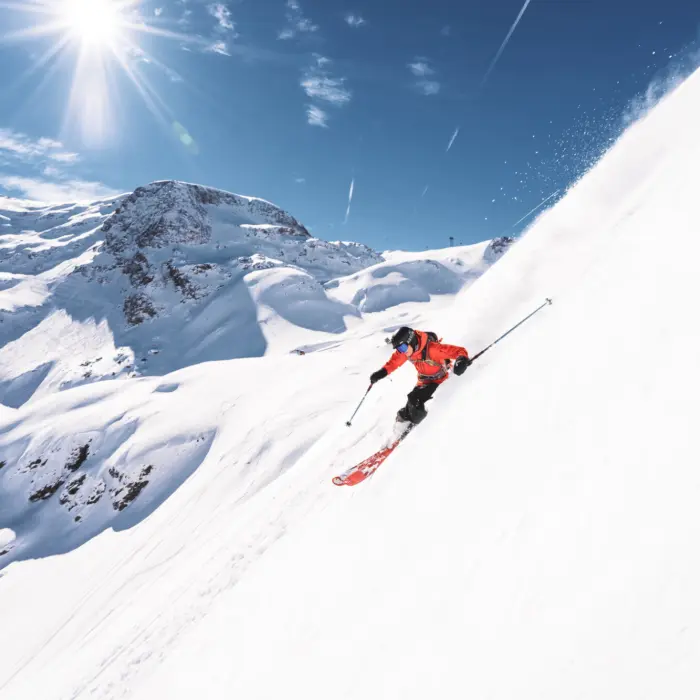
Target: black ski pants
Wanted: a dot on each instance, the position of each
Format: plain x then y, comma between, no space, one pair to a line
422,393
414,410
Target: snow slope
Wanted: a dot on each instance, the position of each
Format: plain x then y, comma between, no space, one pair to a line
534,538
170,276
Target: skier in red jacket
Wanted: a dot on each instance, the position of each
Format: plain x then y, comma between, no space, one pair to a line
432,361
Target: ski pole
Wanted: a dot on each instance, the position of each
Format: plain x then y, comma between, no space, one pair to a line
498,340
349,423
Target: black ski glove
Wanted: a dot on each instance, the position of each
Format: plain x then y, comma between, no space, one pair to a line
379,374
461,364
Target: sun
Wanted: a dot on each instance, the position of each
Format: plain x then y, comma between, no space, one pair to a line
94,39
94,23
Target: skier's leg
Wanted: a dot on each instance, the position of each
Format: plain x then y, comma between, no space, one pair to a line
423,392
414,411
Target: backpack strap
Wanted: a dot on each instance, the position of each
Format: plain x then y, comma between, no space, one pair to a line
424,358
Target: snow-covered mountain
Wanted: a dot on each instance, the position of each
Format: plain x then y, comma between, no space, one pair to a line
536,537
166,278
172,275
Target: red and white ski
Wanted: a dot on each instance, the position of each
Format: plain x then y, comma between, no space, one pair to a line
357,474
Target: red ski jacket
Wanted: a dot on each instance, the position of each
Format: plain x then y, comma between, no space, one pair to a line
430,359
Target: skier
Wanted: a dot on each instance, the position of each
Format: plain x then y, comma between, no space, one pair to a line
432,361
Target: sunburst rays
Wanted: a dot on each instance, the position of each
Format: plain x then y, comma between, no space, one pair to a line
99,38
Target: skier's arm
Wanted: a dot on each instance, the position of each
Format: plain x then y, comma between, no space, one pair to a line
448,352
395,361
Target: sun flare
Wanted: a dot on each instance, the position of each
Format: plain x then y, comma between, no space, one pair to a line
95,23
98,39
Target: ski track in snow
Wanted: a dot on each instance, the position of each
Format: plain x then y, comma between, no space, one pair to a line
534,538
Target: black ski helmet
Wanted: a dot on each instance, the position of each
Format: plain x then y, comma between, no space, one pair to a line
405,335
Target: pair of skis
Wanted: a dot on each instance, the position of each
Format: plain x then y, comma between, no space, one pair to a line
357,474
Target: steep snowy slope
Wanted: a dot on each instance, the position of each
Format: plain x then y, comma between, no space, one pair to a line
169,276
534,538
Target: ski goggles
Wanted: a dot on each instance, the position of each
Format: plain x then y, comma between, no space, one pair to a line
402,348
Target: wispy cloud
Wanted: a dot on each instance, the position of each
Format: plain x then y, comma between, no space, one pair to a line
350,196
297,23
224,31
428,87
223,17
425,191
452,140
421,69
158,11
40,169
446,30
25,148
319,84
322,87
50,192
505,42
64,157
355,20
300,180
219,47
316,116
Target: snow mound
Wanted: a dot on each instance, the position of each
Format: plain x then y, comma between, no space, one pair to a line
65,482
417,277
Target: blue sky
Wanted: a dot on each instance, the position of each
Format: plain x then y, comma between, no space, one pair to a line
302,102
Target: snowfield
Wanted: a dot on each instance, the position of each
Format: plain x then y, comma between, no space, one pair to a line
536,537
